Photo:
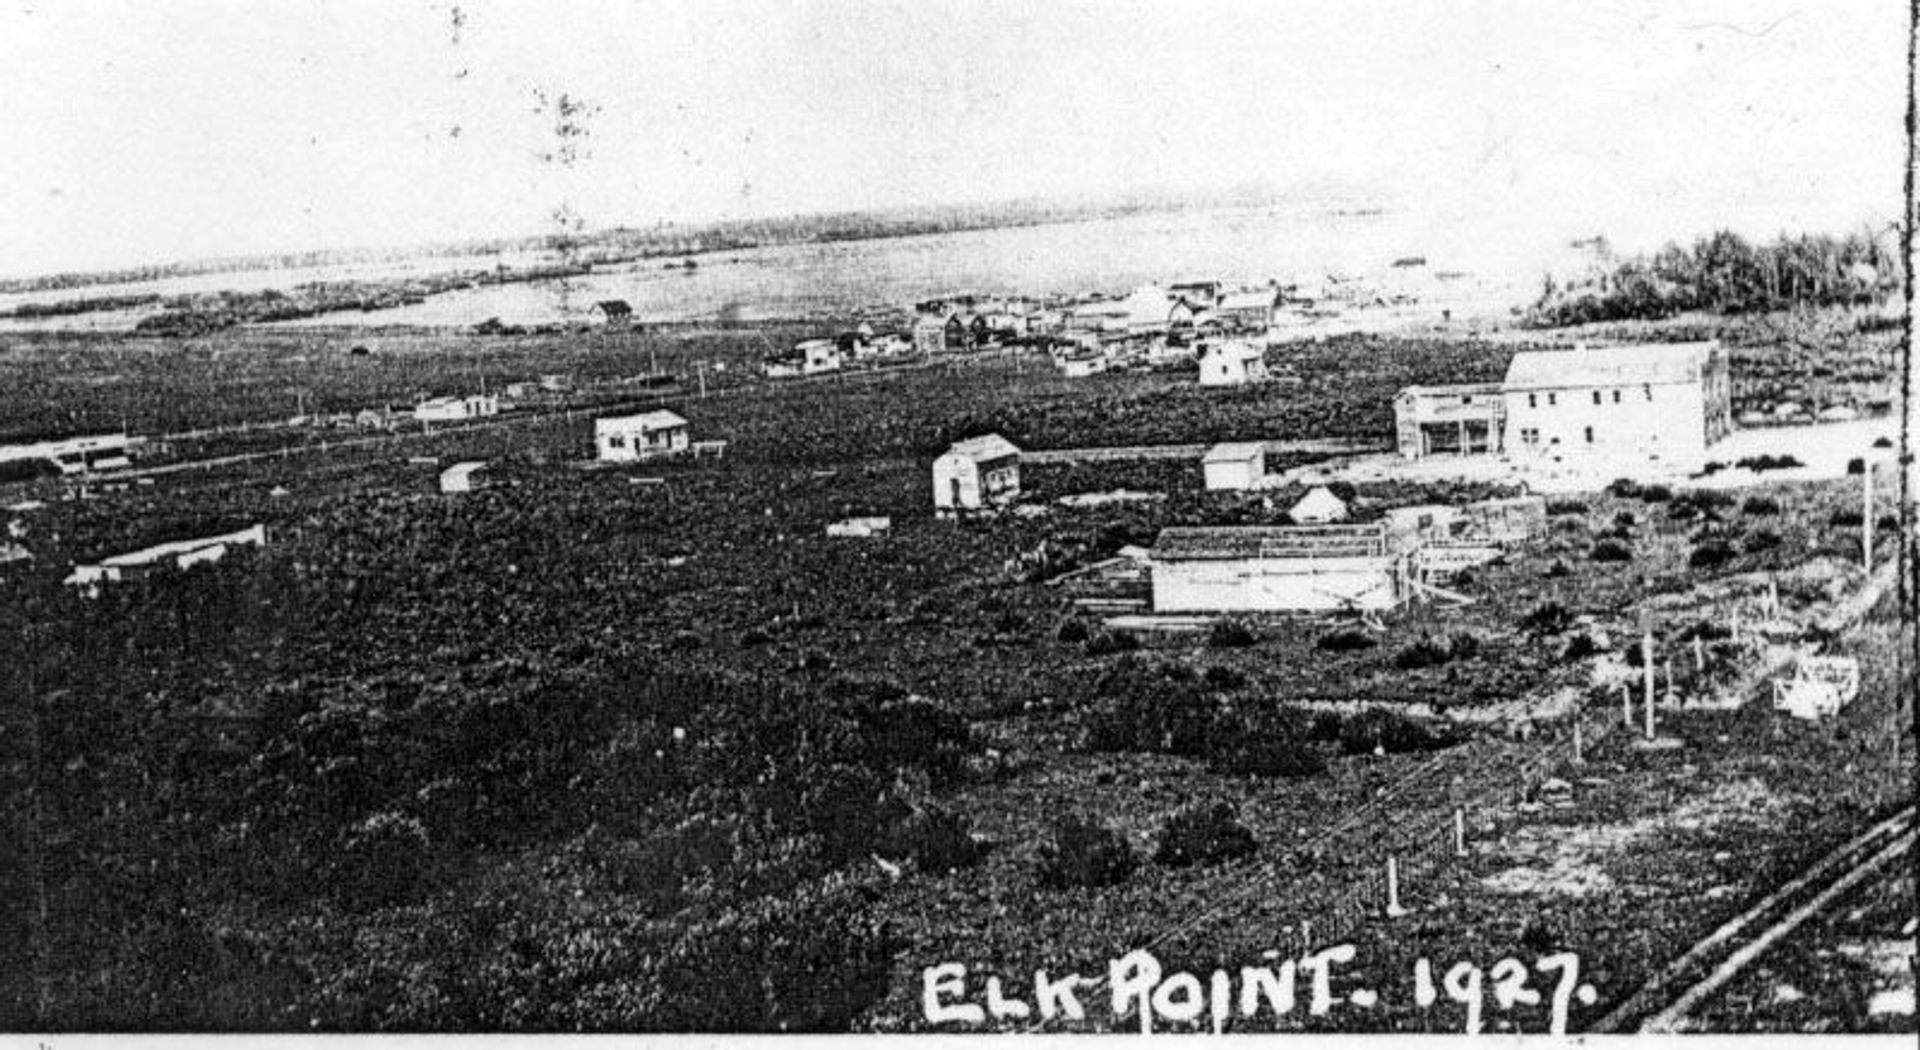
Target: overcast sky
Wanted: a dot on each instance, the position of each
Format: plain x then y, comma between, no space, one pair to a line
141,132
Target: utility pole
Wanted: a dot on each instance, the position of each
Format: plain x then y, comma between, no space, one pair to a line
1909,547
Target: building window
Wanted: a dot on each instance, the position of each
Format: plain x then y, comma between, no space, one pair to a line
1553,399
1616,397
1466,399
1530,436
1596,397
616,441
1533,400
1649,389
1589,435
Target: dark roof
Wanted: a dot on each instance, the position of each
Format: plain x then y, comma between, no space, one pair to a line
1228,543
614,308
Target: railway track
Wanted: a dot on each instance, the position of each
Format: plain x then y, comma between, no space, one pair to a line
1665,1002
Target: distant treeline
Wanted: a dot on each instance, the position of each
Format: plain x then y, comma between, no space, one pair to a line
80,306
1725,273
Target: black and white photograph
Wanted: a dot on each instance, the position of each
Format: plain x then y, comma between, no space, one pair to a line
964,518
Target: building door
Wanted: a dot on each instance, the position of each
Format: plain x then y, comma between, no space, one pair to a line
954,491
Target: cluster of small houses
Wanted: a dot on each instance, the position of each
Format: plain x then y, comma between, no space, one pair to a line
1222,329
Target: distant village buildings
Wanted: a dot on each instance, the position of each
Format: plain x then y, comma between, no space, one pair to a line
622,439
980,473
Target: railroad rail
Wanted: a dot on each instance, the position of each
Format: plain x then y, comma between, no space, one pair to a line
1667,999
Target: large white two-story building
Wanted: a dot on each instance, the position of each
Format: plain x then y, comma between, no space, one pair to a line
1652,403
1659,404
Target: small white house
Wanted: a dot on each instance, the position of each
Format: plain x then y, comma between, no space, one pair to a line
859,528
619,439
818,355
460,476
1231,362
1318,507
976,474
456,409
1237,465
1083,363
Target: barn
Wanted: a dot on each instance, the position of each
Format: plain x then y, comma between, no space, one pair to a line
979,473
456,409
1237,465
1310,569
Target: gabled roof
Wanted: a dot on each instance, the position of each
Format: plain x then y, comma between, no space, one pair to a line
659,419
1235,452
1232,349
986,446
1609,366
1319,503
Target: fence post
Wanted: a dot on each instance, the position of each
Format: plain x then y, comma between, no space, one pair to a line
1394,910
1459,832
1577,759
1646,661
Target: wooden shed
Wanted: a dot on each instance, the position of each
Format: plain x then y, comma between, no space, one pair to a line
979,473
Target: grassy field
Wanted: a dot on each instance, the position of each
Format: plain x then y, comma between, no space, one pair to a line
419,729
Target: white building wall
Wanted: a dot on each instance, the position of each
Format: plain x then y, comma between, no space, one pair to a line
1274,585
1664,422
1234,474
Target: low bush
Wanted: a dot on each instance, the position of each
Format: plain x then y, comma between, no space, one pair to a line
1345,640
1150,707
1265,742
1376,729
1759,464
1579,647
1231,633
1547,618
1709,554
1760,505
1203,834
1624,488
1072,632
1611,550
1079,852
1104,642
1432,652
1656,494
935,839
1760,540
1564,507
1846,519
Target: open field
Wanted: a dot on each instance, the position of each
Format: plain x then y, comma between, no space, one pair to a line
552,754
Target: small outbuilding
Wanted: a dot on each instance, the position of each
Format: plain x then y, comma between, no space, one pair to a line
1317,569
460,476
1318,507
859,528
619,439
1236,465
980,473
456,409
